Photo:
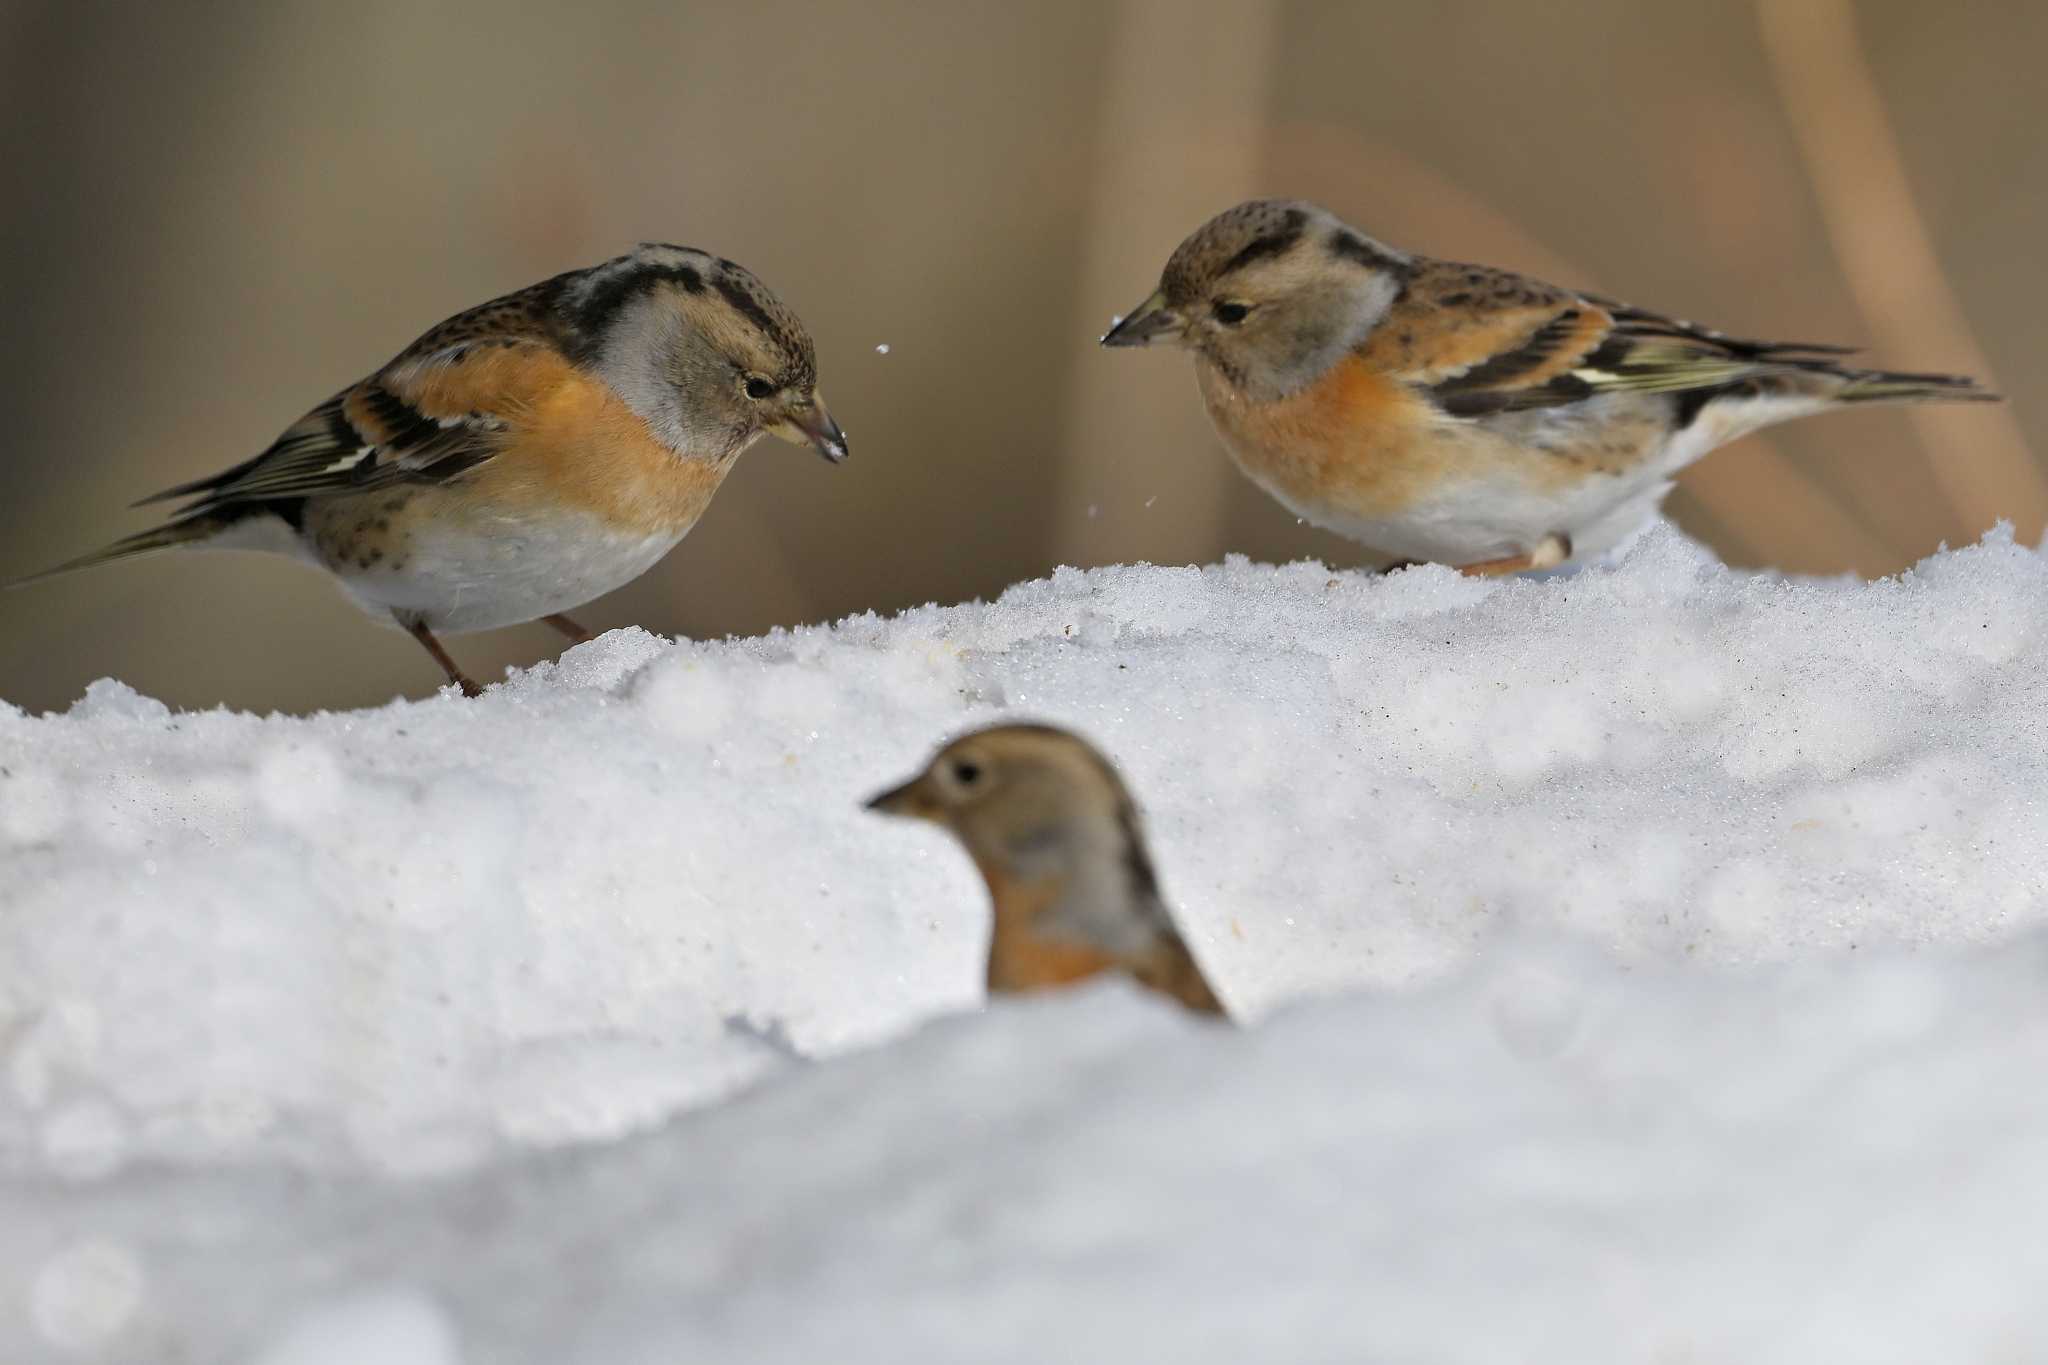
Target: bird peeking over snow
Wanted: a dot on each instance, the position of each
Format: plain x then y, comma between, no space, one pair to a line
1460,414
1056,836
525,456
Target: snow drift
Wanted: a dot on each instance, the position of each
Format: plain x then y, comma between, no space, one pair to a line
1645,964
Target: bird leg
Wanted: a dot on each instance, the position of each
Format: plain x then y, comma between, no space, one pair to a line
419,632
1550,552
577,634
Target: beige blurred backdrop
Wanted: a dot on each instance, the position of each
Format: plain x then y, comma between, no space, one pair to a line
222,214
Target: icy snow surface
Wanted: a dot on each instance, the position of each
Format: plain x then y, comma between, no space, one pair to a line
1644,965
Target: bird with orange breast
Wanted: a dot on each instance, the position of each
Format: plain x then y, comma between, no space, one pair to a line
1459,414
1056,836
525,456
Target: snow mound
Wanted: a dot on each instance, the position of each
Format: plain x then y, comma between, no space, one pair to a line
1544,1159
1594,858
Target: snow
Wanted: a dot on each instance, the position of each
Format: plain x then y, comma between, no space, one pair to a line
389,1327
1640,964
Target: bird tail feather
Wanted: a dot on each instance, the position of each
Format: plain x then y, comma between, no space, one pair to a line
1890,386
184,531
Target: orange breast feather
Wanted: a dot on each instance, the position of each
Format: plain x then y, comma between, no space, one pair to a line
1021,956
1357,441
572,441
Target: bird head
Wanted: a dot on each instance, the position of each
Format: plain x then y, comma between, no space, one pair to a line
702,351
1031,803
1271,293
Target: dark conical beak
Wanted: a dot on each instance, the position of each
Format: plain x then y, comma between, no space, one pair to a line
908,799
890,801
1148,320
813,426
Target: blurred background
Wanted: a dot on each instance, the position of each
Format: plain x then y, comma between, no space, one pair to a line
224,213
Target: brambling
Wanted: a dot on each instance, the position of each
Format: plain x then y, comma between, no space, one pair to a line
1056,836
525,456
1460,414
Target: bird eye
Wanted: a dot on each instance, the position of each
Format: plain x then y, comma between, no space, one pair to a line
1230,314
966,773
757,387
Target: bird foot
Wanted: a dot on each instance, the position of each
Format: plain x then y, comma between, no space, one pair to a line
418,631
1550,552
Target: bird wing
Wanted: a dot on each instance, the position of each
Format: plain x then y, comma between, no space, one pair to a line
1478,341
445,405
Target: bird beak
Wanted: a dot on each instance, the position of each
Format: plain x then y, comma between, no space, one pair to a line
811,425
1150,319
908,799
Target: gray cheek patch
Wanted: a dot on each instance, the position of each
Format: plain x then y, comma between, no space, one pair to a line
1034,852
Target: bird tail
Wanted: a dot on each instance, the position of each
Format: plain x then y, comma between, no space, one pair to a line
1889,386
183,531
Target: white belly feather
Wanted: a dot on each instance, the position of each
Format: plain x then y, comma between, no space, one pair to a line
1506,506
485,573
